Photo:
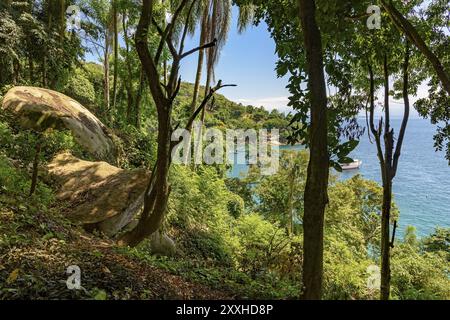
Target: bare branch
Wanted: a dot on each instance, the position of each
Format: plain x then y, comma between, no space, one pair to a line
186,27
165,37
376,132
205,101
391,244
161,42
205,46
401,136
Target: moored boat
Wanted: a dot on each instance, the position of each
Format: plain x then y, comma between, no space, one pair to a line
352,165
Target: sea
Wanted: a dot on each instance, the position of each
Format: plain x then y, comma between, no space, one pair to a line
422,184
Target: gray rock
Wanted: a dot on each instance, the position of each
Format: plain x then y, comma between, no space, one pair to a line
161,244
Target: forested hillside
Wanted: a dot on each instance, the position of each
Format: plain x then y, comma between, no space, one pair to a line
87,176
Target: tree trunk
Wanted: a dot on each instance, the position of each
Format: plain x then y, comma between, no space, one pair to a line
106,76
116,52
387,191
201,58
210,30
290,206
157,194
34,177
129,82
385,241
137,106
316,189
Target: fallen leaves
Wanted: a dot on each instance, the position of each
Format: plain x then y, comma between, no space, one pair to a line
13,276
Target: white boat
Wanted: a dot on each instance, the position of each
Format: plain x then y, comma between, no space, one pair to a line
352,165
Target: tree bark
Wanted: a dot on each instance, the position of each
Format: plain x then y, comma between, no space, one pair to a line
158,190
129,82
210,29
316,189
157,194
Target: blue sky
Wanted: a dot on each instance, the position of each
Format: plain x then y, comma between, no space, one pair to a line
247,60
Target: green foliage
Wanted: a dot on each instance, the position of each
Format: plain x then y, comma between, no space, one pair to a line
199,203
265,248
275,203
418,275
14,184
137,148
19,144
439,241
80,88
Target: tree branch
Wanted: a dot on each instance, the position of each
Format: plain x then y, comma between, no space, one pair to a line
186,27
391,244
205,46
401,136
165,37
376,132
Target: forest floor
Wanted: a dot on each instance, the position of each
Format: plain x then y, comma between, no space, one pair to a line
38,244
35,268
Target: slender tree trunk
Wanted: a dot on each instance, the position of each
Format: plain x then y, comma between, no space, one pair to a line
31,69
316,189
157,194
158,190
156,198
387,191
44,72
137,106
106,76
201,58
34,177
212,26
116,52
129,82
290,206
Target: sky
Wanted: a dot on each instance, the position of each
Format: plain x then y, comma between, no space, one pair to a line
247,60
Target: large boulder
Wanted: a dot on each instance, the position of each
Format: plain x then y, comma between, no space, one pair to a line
40,109
97,193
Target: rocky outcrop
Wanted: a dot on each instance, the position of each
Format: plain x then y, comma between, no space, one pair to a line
40,109
97,193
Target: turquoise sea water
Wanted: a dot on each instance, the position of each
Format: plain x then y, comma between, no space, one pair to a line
422,184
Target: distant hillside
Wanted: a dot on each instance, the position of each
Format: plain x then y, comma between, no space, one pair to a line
228,114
